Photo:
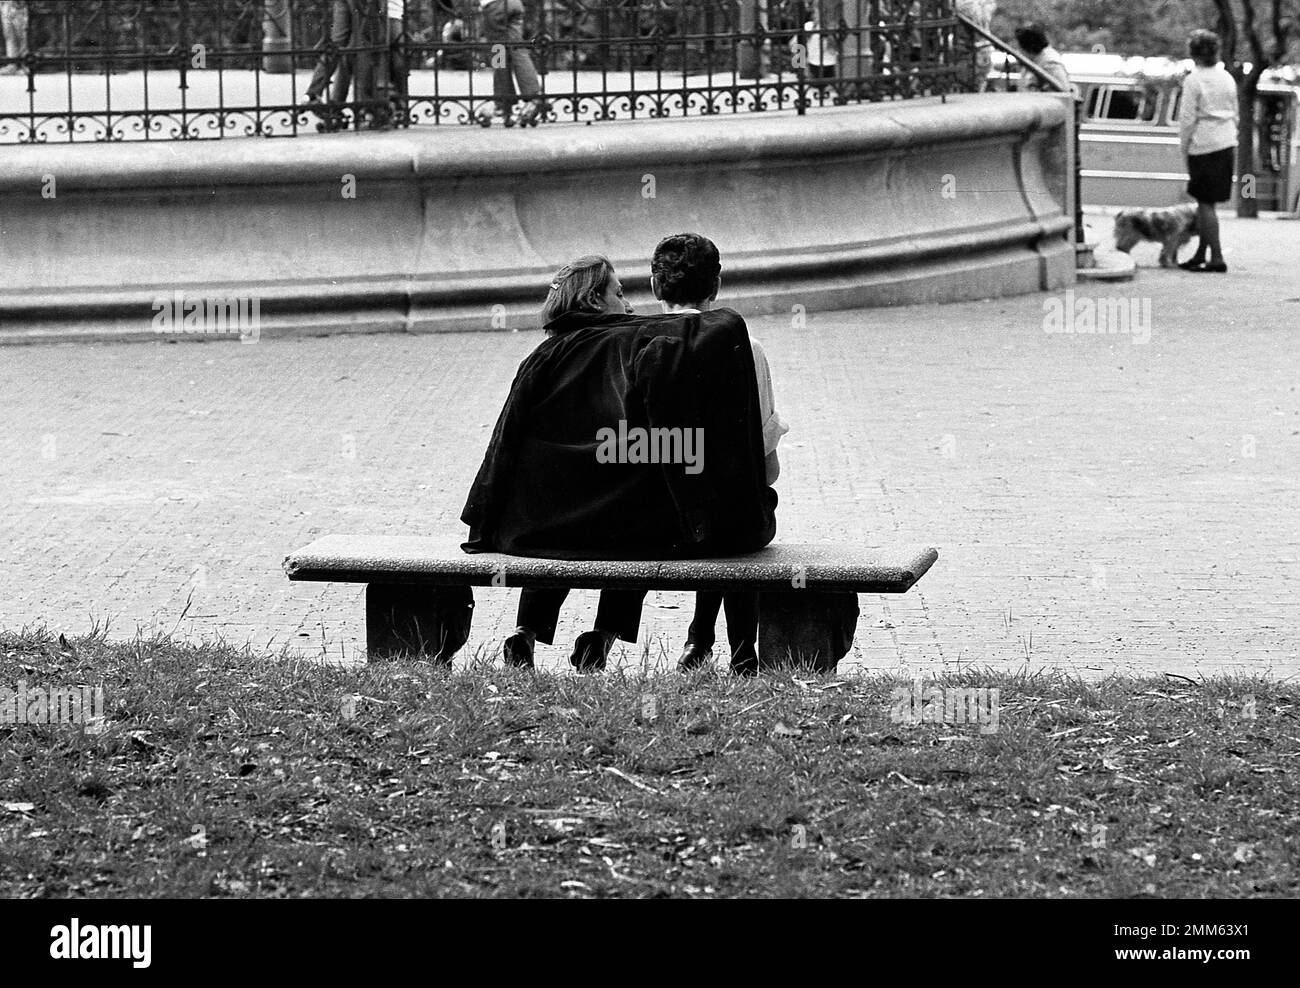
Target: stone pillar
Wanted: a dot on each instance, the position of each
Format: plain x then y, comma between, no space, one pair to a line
417,622
277,36
805,628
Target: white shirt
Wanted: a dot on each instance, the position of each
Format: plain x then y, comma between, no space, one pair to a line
774,426
396,9
1207,116
821,47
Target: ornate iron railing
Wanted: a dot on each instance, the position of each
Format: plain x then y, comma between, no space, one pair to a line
113,70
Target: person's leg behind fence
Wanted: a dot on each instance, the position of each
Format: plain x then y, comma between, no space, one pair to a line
521,59
496,29
398,64
336,36
13,22
857,61
370,61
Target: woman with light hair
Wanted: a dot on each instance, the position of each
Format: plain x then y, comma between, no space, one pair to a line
1207,128
583,292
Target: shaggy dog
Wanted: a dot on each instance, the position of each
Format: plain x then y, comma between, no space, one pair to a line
1172,227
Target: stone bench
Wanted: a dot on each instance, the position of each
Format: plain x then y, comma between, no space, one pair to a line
418,601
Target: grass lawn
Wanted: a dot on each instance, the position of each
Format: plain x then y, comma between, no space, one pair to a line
220,773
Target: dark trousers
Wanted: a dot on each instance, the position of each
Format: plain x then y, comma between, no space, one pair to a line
339,31
399,71
619,611
503,23
365,43
742,624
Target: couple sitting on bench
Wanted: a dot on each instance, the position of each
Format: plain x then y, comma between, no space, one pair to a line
632,436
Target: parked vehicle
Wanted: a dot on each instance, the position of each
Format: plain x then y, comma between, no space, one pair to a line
1129,135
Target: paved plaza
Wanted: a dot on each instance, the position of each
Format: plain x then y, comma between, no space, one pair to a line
1100,504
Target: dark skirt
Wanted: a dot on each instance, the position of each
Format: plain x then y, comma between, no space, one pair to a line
1210,175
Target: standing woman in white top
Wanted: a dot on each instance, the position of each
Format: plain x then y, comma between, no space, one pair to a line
1207,123
821,56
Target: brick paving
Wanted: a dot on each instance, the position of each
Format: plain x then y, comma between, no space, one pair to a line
1099,505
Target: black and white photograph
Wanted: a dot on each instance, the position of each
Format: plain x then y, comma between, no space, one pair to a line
649,449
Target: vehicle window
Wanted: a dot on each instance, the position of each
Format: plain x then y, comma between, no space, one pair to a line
1151,104
1124,104
1092,101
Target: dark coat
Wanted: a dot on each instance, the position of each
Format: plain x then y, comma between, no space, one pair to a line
542,490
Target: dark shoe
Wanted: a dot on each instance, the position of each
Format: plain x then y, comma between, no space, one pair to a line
693,657
744,661
1193,265
532,114
517,650
748,669
1219,268
590,652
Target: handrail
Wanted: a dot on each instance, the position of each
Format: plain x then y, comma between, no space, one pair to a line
1080,237
1015,53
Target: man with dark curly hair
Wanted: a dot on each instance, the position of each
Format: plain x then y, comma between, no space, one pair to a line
1032,38
686,277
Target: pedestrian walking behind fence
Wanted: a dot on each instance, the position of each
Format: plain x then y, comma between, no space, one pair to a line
398,73
512,64
974,53
13,22
336,38
356,56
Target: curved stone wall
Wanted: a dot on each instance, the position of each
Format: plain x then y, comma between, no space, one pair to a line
459,229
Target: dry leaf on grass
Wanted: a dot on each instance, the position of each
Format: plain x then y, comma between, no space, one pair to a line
1143,854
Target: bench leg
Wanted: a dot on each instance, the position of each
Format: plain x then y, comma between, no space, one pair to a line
417,622
805,628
